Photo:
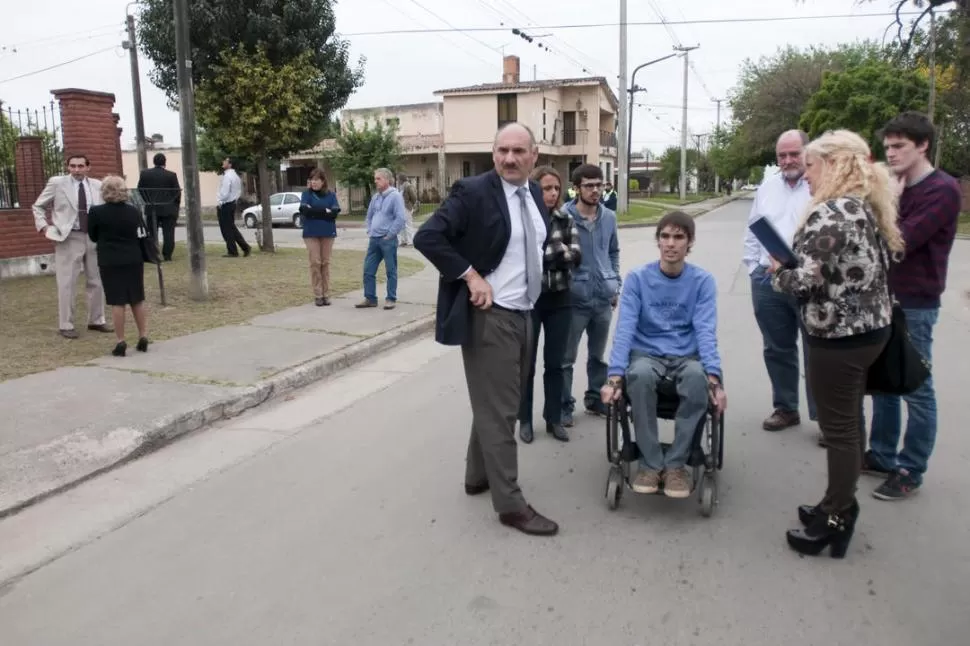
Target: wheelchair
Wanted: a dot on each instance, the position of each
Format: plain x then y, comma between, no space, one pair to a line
706,456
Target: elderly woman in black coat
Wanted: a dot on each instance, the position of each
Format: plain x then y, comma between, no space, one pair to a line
116,227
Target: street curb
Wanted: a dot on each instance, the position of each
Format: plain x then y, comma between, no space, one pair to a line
169,428
649,225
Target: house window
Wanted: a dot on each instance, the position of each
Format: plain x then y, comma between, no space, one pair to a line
392,122
508,108
466,169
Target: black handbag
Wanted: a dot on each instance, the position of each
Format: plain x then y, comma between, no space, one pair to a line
149,248
900,368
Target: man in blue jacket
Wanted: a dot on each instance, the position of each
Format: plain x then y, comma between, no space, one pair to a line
667,329
595,289
386,217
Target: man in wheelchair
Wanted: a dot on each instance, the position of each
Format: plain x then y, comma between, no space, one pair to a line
667,328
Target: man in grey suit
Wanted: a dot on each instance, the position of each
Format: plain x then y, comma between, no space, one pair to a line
70,197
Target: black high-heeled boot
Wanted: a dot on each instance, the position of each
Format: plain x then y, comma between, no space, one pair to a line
807,513
825,530
120,349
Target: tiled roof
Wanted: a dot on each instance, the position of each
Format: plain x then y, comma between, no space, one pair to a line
530,85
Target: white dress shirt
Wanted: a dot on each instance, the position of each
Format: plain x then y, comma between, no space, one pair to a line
783,205
508,281
87,192
230,187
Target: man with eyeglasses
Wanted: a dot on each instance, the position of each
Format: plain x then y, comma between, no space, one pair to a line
782,199
595,289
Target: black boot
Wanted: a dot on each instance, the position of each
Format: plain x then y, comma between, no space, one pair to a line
807,513
558,432
824,530
525,432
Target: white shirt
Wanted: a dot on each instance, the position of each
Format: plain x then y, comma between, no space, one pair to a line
783,205
230,187
87,192
508,281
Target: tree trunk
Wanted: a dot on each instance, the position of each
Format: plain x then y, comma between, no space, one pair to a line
262,170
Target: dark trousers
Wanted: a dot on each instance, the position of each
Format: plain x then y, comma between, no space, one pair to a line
780,323
496,357
167,226
553,314
230,232
838,379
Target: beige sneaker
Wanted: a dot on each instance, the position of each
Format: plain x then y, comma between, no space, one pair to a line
677,483
646,481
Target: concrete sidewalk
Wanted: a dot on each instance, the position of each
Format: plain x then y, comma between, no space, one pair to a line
64,426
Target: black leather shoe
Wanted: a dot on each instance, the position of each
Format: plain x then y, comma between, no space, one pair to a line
526,434
529,522
558,432
142,345
476,489
807,513
826,530
120,348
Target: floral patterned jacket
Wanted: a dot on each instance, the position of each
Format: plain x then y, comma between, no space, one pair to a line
840,282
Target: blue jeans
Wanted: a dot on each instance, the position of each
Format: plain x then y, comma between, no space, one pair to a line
643,377
556,321
780,323
920,410
596,324
379,249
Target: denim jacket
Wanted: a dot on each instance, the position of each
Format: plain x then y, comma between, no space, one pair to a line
596,282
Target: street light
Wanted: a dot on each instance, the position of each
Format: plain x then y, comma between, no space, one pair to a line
629,131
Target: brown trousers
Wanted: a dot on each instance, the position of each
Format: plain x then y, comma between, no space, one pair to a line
496,357
838,380
319,250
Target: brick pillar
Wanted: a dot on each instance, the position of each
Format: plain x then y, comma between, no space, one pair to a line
89,128
29,156
120,162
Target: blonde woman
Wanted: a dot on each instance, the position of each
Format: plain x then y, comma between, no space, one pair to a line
844,244
115,227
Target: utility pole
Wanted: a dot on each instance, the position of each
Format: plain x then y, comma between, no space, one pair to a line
932,106
717,137
132,48
683,126
622,150
199,284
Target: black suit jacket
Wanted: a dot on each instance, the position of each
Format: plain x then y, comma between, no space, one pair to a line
160,190
471,227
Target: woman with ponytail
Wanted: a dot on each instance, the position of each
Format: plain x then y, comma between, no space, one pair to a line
844,245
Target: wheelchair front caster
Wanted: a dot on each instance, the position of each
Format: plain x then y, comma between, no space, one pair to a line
707,496
614,488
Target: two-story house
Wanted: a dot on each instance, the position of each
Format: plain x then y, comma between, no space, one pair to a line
574,121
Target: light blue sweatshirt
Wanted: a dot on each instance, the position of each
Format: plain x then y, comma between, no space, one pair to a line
664,316
385,214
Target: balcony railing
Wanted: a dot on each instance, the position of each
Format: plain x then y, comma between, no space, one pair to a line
607,139
573,138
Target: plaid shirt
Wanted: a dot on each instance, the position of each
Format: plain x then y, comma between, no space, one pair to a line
562,252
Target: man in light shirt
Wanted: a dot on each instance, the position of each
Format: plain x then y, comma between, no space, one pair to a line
783,199
230,190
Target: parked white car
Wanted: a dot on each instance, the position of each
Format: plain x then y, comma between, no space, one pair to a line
284,208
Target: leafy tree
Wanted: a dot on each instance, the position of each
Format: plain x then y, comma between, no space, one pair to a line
286,30
772,92
726,155
863,99
360,151
259,110
756,175
670,165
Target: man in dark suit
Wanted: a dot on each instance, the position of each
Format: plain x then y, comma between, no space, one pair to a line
160,190
486,240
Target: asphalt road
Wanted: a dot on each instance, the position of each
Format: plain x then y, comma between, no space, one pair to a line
338,517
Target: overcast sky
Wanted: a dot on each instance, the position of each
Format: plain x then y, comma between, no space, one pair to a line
407,68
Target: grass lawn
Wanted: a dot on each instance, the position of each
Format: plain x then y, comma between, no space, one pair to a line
963,225
239,289
674,198
641,214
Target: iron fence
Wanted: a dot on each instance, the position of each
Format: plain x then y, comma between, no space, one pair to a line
41,122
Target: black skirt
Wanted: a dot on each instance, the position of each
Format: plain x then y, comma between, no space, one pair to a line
123,284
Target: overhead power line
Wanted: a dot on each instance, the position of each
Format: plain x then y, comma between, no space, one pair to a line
56,65
646,23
